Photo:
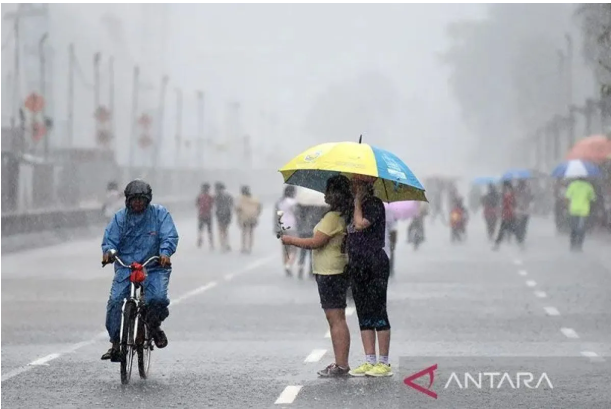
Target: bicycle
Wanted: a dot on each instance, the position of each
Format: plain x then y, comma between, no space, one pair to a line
135,335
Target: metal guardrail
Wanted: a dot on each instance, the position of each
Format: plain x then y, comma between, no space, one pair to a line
45,220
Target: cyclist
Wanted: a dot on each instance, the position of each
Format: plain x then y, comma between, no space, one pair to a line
137,232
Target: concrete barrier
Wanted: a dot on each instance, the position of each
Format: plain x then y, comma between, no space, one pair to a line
57,219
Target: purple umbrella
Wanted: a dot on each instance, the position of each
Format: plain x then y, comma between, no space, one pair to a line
403,210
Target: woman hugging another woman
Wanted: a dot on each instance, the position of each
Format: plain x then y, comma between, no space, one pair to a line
329,261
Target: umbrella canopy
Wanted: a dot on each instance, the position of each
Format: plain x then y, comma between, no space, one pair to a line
576,169
595,148
485,180
404,210
308,197
514,174
393,180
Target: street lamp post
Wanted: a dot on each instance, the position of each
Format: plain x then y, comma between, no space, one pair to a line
70,95
134,135
42,93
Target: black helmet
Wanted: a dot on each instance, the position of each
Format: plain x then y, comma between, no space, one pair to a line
138,188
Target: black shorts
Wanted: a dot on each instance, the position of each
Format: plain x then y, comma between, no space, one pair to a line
205,221
332,290
369,281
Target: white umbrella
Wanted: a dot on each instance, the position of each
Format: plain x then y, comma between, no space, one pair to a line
309,197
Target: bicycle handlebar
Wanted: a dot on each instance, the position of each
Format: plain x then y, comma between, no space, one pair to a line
118,260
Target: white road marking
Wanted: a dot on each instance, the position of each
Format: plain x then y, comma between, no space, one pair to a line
350,311
288,395
517,262
551,311
540,294
316,355
46,359
328,334
593,356
198,290
228,277
522,273
531,283
569,333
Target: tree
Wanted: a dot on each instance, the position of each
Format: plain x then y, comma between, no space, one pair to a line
505,70
596,29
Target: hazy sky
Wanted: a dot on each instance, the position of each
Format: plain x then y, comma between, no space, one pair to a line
272,58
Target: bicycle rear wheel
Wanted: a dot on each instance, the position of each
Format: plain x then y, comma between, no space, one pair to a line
144,348
127,342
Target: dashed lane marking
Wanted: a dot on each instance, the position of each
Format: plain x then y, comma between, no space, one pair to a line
288,395
315,355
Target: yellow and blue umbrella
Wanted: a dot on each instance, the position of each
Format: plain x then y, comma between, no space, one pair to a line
394,181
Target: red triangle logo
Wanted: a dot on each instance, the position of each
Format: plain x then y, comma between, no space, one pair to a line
430,371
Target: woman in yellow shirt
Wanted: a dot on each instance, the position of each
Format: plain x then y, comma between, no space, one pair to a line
329,260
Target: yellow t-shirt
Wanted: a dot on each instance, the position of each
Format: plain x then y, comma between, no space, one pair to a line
329,259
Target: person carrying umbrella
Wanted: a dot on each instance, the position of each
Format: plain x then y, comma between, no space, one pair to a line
490,203
524,200
508,214
329,266
376,175
580,195
370,270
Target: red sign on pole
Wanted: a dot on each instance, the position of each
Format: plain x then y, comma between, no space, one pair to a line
34,103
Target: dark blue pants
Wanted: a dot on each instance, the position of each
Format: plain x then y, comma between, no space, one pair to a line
155,298
578,231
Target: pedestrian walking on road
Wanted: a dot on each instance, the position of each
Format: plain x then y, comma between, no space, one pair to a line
508,214
391,237
248,211
524,202
288,205
490,203
204,203
580,195
369,269
329,261
223,203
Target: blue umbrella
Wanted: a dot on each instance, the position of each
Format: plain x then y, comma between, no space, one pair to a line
576,169
485,180
513,174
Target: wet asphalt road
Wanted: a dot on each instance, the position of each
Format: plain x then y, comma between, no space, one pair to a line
240,332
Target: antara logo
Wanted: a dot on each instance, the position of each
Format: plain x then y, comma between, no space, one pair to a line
481,380
430,371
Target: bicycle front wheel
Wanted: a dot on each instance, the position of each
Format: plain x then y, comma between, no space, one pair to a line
127,341
144,348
